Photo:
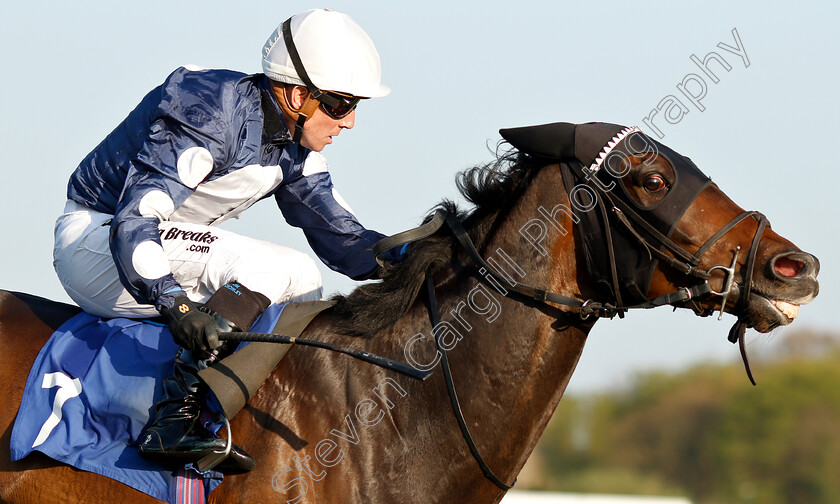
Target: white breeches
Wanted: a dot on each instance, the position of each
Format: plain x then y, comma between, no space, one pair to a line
82,258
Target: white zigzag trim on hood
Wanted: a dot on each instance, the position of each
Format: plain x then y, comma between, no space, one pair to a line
595,166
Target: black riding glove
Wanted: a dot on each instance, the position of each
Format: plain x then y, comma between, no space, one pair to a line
190,327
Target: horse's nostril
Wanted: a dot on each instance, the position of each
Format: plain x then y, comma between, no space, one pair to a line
788,267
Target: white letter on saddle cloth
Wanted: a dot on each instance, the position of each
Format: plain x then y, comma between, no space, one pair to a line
67,389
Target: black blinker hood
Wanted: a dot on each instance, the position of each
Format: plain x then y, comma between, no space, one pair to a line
593,150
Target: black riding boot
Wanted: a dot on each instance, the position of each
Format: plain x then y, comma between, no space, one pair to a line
175,435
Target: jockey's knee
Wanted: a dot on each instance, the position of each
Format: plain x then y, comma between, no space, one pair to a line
279,273
305,278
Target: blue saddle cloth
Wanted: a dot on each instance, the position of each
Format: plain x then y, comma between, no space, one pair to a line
91,391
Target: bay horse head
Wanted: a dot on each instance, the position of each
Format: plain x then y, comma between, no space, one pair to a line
652,223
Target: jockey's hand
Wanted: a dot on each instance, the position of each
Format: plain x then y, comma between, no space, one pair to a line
190,327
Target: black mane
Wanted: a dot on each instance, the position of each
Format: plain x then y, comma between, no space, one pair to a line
493,188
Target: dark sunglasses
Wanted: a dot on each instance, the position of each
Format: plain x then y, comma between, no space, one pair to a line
341,104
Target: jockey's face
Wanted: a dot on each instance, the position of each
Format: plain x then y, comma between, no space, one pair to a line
318,130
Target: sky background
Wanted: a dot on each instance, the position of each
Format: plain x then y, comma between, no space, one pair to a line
459,72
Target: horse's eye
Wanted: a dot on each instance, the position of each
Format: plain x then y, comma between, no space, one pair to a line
655,183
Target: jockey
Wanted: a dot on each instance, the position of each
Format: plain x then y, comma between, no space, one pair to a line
138,236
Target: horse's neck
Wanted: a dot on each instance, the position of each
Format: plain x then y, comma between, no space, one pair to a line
510,362
514,361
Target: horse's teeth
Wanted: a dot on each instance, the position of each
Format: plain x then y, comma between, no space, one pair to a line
789,309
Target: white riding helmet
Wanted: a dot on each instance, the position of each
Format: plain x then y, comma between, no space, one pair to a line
335,52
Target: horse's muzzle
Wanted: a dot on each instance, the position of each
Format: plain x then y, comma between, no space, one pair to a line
789,280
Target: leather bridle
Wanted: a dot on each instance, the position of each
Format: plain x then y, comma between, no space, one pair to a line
636,225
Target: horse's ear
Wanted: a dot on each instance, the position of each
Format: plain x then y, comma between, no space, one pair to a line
553,141
560,141
591,138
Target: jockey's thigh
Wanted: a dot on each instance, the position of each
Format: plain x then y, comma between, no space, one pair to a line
202,259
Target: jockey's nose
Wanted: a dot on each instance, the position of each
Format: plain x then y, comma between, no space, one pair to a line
349,120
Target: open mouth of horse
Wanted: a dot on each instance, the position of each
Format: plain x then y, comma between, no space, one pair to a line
767,312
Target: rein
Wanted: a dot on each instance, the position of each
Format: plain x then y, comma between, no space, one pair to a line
434,316
374,359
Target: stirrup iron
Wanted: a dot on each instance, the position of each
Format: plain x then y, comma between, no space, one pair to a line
213,459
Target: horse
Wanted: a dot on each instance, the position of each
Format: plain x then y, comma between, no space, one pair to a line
327,428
